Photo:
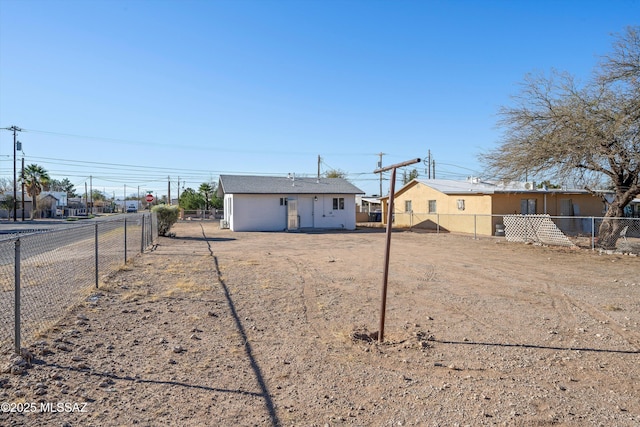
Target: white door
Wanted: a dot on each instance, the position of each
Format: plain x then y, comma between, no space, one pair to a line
305,212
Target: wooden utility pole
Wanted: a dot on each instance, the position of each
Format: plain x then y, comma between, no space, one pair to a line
169,190
22,179
15,147
385,280
380,167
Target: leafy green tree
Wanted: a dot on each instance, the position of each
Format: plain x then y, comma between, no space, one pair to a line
97,195
408,178
335,173
35,179
207,191
7,204
62,185
191,200
217,202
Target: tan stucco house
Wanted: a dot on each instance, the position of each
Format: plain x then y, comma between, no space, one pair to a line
473,205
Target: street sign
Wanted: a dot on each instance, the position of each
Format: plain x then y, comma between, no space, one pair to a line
149,198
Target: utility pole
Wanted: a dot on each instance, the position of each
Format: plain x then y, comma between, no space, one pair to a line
380,168
169,190
15,130
431,166
22,176
318,168
178,191
91,191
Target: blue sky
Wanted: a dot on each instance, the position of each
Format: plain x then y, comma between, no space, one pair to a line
133,92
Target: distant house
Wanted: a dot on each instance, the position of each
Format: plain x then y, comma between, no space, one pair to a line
369,209
261,203
6,205
51,204
468,205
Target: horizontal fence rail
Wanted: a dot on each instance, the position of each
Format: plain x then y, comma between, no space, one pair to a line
616,234
44,274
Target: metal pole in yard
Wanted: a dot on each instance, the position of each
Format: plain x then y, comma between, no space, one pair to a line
593,233
125,240
142,236
475,227
96,255
387,253
17,297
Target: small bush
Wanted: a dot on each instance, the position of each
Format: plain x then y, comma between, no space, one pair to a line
167,216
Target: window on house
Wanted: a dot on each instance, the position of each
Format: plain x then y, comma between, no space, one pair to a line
460,203
566,207
432,206
528,206
407,206
283,201
338,203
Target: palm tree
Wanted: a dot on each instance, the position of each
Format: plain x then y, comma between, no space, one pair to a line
35,178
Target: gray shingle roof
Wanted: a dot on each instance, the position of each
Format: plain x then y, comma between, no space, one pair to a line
247,184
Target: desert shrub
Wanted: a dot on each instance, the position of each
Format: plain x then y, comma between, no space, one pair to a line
167,216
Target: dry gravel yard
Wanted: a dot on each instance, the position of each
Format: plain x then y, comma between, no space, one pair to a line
255,329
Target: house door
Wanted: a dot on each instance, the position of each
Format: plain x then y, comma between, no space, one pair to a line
305,212
292,214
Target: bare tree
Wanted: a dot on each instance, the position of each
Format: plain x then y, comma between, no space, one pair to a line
583,133
6,185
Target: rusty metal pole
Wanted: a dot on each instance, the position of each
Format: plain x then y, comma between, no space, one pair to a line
387,253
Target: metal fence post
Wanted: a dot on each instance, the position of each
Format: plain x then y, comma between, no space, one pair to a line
125,240
17,297
475,226
96,255
142,236
593,233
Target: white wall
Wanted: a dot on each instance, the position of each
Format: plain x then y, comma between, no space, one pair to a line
256,213
264,213
326,217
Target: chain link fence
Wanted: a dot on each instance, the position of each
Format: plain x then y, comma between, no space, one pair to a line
202,214
615,234
44,274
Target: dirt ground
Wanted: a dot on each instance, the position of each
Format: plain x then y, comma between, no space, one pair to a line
220,328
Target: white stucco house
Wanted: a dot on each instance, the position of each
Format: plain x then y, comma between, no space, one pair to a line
266,203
